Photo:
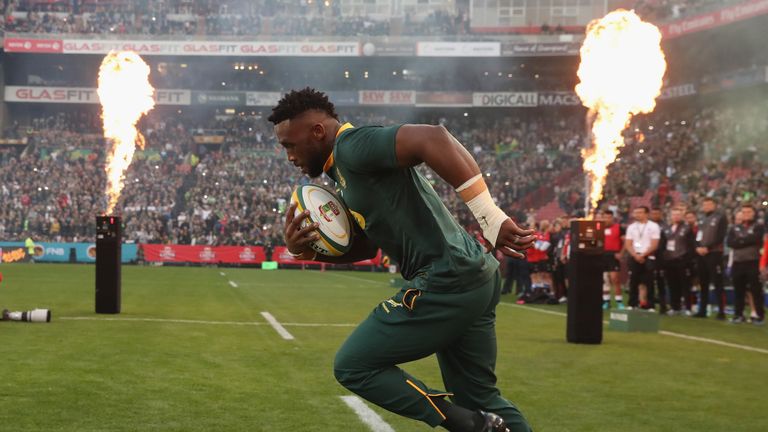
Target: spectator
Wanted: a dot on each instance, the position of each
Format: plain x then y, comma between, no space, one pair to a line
29,245
710,241
539,261
641,243
677,254
614,250
659,281
764,261
745,239
558,266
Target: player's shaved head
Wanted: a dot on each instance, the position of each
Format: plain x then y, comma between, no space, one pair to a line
305,125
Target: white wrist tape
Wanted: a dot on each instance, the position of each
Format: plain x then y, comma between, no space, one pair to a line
488,214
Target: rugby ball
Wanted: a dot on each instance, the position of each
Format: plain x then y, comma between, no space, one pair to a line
330,212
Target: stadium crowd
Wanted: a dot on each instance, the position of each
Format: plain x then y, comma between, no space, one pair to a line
266,17
225,182
180,192
231,18
54,188
183,192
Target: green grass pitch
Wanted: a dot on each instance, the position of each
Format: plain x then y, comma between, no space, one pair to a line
163,375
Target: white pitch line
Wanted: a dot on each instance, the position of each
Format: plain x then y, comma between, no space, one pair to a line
714,341
291,285
234,285
318,325
544,311
663,332
222,273
368,416
277,326
165,320
355,278
185,321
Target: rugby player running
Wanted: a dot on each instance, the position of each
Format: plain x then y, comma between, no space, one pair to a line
452,283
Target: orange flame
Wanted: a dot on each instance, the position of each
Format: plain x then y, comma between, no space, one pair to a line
125,94
621,71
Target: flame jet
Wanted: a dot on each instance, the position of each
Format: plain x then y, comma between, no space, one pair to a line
125,95
621,71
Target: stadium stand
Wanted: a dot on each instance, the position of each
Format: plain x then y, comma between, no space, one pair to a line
234,193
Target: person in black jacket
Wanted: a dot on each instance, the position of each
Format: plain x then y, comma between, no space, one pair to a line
677,254
692,270
558,267
710,240
746,239
659,281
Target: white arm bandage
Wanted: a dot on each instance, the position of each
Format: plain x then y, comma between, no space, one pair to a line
490,217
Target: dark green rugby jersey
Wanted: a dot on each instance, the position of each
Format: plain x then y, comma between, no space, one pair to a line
402,214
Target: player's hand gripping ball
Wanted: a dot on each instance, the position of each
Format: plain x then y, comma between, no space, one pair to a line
334,229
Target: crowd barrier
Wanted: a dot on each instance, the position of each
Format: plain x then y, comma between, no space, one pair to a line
62,252
161,253
227,255
172,253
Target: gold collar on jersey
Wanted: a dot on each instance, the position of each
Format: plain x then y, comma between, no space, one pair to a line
329,162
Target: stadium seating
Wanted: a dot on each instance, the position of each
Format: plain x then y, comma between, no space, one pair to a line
234,194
